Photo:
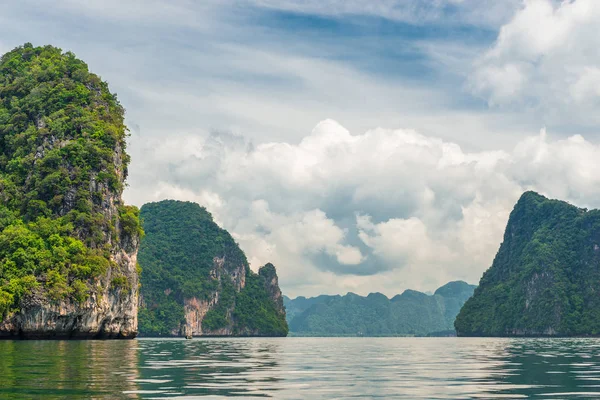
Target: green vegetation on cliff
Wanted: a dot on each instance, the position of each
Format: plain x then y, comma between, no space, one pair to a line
544,279
62,163
256,309
186,255
411,313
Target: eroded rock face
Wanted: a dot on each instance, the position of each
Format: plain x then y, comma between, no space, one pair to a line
110,312
110,316
269,274
196,309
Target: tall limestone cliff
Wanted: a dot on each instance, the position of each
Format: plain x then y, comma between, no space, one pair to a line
545,279
68,244
196,280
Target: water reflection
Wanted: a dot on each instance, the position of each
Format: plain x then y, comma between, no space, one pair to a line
67,369
553,368
245,367
315,368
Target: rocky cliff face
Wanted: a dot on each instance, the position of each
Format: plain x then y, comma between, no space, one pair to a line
544,279
196,280
68,244
195,309
109,312
271,281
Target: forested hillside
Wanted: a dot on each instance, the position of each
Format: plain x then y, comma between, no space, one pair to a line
544,279
196,280
410,313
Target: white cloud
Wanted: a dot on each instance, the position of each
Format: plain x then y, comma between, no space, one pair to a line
429,210
305,232
384,210
587,85
545,58
402,241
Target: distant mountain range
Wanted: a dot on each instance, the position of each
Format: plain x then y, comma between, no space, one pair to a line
410,313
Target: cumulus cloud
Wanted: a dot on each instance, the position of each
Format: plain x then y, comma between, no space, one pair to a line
544,58
383,211
338,209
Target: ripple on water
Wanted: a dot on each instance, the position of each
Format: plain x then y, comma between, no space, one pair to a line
314,368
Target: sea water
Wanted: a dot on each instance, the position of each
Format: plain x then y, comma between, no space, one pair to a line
301,368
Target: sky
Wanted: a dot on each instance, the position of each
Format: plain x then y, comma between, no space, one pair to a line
358,146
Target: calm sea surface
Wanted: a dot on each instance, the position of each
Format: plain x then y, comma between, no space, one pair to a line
295,368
